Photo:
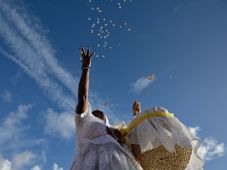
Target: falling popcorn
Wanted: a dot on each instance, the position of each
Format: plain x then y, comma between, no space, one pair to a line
103,26
150,77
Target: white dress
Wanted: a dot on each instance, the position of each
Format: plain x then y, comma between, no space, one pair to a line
168,132
96,149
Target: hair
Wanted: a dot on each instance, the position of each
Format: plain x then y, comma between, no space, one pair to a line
99,114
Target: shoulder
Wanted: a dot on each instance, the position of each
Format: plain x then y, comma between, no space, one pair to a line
80,118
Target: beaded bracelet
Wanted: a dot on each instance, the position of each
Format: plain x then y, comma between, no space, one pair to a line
85,68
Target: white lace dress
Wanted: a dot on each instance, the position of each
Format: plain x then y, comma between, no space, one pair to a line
96,150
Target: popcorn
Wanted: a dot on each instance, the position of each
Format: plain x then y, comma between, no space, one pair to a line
102,26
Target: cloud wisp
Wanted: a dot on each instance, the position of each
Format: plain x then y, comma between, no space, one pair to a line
36,167
54,90
210,148
26,56
57,167
32,51
140,84
39,43
6,96
10,127
65,126
5,164
16,143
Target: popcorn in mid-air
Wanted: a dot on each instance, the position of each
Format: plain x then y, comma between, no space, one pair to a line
102,24
150,77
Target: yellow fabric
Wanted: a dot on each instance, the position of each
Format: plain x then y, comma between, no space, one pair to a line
139,119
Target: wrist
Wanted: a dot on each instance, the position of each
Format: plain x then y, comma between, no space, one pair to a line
85,67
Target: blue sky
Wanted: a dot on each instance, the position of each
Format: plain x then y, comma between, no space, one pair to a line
182,42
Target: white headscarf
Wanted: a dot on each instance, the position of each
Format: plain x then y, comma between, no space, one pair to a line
107,122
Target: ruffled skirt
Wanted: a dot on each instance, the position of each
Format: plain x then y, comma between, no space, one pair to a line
108,156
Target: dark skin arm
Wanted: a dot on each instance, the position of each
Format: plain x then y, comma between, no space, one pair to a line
84,81
136,109
136,150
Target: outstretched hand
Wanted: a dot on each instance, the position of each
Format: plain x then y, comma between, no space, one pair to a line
86,57
136,108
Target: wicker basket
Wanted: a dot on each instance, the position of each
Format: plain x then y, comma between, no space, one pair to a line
160,159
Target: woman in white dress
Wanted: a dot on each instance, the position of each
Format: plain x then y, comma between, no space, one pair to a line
160,141
96,147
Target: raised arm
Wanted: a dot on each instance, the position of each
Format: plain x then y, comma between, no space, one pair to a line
136,109
84,81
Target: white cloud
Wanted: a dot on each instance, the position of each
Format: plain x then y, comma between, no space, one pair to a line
10,126
19,161
13,139
36,167
5,164
140,84
39,43
194,130
23,159
56,167
35,55
61,124
210,148
6,96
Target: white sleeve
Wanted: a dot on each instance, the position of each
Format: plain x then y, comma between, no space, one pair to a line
80,118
